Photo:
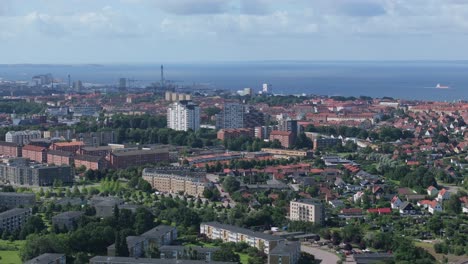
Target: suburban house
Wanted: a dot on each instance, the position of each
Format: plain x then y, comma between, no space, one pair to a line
432,206
407,208
443,195
432,191
395,202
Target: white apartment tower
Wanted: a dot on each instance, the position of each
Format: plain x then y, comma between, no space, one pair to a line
266,88
183,115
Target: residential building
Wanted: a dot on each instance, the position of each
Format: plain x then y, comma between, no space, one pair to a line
183,115
432,206
58,157
20,171
130,260
9,149
232,116
22,137
137,245
176,180
13,199
395,202
289,126
48,258
326,143
35,153
407,208
124,158
284,137
105,205
288,152
432,191
190,252
229,233
307,210
72,147
286,253
96,139
67,220
443,195
90,162
14,219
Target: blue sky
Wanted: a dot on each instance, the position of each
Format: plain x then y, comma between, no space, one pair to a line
157,31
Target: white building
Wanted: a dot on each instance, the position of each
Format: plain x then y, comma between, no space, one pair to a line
306,210
183,115
266,88
22,137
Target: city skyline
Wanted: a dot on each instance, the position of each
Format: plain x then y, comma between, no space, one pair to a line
146,31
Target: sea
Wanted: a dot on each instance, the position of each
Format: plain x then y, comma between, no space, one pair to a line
397,79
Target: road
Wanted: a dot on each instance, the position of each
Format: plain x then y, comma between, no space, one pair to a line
215,179
322,254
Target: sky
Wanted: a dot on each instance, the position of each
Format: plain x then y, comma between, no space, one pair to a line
158,31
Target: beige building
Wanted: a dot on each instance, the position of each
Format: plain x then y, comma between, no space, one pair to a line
229,233
171,180
307,210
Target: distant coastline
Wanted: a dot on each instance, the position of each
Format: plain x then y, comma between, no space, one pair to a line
398,79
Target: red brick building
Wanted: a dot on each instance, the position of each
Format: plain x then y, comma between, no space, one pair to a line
128,158
284,137
59,157
235,133
90,162
8,149
67,146
35,153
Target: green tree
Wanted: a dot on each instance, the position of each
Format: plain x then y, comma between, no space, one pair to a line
230,184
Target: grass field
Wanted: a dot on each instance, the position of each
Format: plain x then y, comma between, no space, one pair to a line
430,248
9,252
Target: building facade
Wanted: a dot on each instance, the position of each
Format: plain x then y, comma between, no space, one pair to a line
13,199
67,220
232,116
286,138
175,181
306,210
9,149
183,115
21,172
122,159
229,233
14,219
22,137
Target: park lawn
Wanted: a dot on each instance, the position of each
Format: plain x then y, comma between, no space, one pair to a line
10,256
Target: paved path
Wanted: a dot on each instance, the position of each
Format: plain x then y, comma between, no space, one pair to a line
325,256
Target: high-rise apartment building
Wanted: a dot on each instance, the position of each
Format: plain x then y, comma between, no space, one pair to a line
307,210
183,115
232,116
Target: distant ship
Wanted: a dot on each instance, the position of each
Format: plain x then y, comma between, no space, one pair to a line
439,86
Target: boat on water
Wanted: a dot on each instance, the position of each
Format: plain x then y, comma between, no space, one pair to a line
439,86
